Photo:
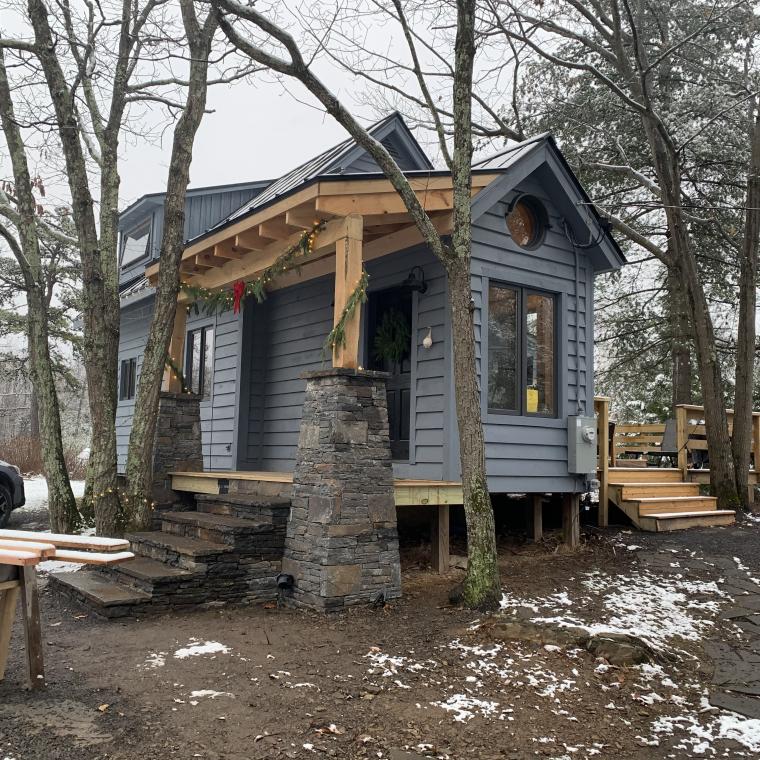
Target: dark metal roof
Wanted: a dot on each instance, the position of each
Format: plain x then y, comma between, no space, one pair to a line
326,163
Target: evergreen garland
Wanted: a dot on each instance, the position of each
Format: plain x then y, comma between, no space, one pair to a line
392,337
337,336
177,372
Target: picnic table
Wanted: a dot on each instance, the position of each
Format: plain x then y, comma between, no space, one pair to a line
20,552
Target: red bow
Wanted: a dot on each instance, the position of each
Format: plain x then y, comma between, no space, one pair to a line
238,291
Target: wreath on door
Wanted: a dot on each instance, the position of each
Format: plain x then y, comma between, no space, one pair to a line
392,337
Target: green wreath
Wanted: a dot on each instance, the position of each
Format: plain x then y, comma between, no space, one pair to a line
392,337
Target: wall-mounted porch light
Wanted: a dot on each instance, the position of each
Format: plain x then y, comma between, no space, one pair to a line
415,280
427,341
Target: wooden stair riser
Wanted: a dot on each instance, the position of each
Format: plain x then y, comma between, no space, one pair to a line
655,490
618,476
710,520
687,505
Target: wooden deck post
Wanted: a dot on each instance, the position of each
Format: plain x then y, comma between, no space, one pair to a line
9,592
538,516
171,383
439,539
30,608
603,437
348,272
681,441
571,518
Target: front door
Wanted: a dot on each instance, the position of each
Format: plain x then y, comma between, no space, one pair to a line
388,349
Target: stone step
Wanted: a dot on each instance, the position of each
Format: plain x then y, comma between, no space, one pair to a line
106,596
220,529
179,551
149,575
275,509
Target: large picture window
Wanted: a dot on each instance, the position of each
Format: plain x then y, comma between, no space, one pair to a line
521,351
134,244
199,367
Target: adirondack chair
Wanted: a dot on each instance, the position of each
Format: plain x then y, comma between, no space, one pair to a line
20,553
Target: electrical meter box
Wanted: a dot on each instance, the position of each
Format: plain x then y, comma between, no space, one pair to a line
581,445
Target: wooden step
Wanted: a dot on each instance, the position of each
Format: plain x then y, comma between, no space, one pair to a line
673,504
623,475
105,596
669,521
636,491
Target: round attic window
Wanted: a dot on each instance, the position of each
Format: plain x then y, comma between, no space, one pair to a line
527,221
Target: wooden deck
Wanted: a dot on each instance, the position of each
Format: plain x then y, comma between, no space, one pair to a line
409,493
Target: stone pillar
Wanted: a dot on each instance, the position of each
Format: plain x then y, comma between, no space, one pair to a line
177,445
342,540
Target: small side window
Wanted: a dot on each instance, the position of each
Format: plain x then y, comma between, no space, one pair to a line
135,244
199,364
128,379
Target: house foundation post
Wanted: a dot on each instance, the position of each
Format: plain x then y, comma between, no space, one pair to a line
341,546
571,519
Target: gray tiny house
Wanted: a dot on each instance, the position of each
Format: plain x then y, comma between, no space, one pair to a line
537,246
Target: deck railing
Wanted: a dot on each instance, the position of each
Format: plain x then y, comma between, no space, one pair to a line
646,439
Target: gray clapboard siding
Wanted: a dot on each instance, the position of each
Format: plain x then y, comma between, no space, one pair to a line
522,453
135,322
219,412
285,335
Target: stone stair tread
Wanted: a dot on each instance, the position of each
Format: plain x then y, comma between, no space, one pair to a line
147,569
100,589
245,500
210,520
676,515
181,544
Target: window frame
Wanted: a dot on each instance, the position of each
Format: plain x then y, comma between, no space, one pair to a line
540,214
205,384
523,291
145,223
129,379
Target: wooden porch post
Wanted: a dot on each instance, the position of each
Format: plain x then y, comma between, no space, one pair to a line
439,539
603,437
171,383
348,272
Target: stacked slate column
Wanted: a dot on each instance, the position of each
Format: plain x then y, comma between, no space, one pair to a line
341,546
177,445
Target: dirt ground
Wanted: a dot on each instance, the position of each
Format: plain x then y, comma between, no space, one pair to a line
417,678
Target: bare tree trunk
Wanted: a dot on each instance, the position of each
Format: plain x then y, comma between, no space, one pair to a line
680,340
481,586
100,310
34,415
61,503
665,162
745,345
141,439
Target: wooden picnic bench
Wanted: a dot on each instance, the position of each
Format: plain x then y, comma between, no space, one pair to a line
20,552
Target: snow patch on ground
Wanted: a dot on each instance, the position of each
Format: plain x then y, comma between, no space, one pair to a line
56,566
699,737
196,648
210,694
36,492
465,708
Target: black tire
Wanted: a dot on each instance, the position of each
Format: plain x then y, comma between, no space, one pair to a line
6,504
